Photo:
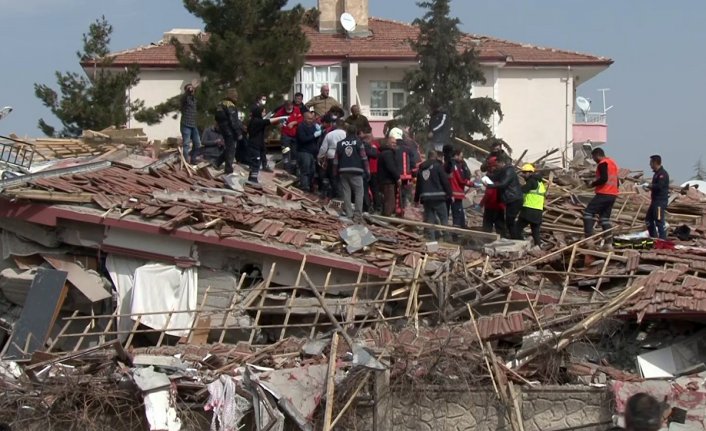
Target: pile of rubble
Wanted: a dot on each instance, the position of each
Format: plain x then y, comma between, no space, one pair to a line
255,284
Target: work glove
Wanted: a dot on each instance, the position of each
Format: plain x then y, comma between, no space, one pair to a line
485,180
318,128
317,133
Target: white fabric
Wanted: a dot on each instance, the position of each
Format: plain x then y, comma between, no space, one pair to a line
160,413
228,407
160,287
146,288
122,273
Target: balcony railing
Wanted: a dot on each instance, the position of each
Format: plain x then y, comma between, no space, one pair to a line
590,118
16,154
384,112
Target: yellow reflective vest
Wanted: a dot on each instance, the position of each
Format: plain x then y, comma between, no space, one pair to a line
535,198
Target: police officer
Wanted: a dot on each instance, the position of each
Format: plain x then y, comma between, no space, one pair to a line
534,192
606,186
351,165
433,191
659,194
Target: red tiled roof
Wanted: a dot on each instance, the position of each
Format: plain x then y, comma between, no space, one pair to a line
389,40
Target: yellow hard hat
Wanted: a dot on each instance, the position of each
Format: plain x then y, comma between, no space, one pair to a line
527,167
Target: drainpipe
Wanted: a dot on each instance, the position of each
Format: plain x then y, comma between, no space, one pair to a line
566,117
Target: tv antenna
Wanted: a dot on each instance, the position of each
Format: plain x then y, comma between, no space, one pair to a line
584,106
348,22
603,91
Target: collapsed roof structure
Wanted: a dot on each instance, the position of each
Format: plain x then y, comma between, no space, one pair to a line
126,268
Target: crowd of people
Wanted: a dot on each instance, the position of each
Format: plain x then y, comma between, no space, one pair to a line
337,157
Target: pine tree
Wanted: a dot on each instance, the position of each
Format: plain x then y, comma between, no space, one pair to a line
96,103
445,76
251,45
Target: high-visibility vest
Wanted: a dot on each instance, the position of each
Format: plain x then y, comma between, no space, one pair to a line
535,198
611,186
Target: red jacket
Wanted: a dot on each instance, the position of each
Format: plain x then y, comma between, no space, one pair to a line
491,200
458,183
295,118
373,161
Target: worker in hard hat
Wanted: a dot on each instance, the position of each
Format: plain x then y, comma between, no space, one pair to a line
534,191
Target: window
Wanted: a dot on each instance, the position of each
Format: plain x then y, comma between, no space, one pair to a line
386,98
309,80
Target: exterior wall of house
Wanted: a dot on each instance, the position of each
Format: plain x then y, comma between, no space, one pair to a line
538,109
366,75
155,87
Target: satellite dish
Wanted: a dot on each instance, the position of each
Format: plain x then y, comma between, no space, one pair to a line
347,22
4,111
583,104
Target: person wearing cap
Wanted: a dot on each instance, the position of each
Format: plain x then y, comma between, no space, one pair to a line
322,103
606,189
659,198
534,191
357,119
231,128
187,124
493,207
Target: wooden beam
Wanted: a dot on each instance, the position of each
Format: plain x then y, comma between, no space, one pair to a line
488,236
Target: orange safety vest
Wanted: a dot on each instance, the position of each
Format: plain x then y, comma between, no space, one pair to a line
611,186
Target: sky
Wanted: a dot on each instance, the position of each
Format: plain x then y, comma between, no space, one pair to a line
655,82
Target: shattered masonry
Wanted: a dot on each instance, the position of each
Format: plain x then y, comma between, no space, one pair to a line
171,299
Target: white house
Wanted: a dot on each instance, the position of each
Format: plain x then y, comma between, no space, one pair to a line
535,86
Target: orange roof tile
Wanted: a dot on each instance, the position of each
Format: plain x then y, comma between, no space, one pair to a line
389,40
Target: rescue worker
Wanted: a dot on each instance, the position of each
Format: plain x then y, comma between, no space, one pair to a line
460,179
404,156
534,191
351,166
388,175
497,152
433,191
231,127
659,194
508,185
493,207
606,186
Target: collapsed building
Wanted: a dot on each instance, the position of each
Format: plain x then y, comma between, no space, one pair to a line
140,292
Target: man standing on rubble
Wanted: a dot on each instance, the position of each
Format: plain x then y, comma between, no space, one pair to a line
187,124
497,152
231,127
659,194
508,185
433,191
606,185
351,164
532,210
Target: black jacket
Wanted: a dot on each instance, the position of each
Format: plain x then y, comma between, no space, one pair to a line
306,141
387,166
256,129
660,187
227,119
402,167
350,157
432,183
440,127
509,185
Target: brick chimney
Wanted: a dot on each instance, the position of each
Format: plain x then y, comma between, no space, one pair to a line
330,12
184,36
